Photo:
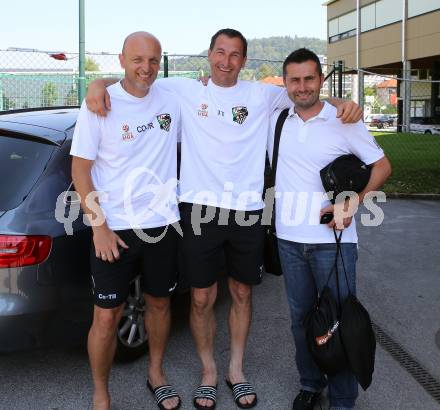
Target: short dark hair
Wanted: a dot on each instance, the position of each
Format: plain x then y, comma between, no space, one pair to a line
301,56
231,33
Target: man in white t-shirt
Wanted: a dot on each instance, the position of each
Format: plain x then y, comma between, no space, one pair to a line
130,159
224,133
311,138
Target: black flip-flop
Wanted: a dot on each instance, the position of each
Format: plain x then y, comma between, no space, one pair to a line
162,393
242,389
205,392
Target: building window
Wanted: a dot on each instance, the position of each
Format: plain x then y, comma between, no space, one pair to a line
368,17
417,7
347,22
342,27
388,11
375,15
418,108
333,27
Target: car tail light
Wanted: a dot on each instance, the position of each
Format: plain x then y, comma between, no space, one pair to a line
20,250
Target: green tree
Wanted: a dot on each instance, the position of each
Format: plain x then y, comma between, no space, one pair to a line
265,70
275,49
49,95
370,91
91,65
71,97
8,103
247,74
390,109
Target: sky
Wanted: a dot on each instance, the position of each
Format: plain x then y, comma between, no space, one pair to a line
183,27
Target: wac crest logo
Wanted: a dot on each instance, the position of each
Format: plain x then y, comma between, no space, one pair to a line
164,121
239,114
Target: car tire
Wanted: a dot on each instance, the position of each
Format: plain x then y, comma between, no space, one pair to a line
132,338
428,132
379,126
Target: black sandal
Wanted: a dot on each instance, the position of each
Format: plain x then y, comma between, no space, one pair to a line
205,392
242,389
162,393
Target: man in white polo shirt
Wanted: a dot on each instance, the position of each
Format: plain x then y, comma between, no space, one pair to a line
129,157
312,137
224,134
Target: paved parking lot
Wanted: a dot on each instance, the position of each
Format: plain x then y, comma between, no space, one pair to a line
398,281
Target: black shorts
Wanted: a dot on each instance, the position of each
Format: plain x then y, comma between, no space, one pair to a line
225,247
156,263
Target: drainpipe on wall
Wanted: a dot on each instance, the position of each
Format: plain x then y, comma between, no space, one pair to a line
406,73
81,68
360,75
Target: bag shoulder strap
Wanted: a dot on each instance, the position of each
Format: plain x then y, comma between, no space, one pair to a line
276,144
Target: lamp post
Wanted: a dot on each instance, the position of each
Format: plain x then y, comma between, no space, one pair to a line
81,77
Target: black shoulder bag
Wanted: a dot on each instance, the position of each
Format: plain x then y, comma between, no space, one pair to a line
271,258
339,333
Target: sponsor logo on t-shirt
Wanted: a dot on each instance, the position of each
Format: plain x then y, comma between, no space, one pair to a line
203,112
126,133
144,127
239,114
164,121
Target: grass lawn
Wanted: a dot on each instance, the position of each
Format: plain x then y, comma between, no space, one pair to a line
415,159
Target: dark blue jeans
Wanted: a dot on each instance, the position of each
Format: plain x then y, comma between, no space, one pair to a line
306,268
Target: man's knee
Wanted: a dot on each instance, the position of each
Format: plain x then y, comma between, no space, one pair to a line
240,292
203,299
157,305
105,321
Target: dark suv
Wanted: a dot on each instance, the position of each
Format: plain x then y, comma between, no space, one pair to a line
45,292
381,121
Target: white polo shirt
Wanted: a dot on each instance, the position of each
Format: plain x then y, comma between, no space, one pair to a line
134,150
224,137
306,148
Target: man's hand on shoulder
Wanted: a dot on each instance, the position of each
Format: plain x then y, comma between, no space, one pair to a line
349,112
97,98
204,79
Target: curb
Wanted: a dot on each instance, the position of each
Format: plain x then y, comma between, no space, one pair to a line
397,195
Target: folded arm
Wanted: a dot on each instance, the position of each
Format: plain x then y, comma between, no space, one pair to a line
343,212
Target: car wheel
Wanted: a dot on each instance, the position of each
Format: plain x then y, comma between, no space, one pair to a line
131,335
428,132
379,125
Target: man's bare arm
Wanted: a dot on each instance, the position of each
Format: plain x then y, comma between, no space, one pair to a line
380,172
97,98
105,240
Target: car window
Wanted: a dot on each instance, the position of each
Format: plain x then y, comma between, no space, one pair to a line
21,164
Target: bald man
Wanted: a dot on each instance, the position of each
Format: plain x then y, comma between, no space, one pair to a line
130,156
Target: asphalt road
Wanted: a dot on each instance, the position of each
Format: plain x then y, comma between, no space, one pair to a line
398,281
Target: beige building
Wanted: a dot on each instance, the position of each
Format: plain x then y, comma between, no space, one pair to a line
390,37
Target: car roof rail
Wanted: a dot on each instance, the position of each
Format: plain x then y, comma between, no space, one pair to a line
20,110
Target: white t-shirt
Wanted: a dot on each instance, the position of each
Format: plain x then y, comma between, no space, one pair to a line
224,137
306,148
134,150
